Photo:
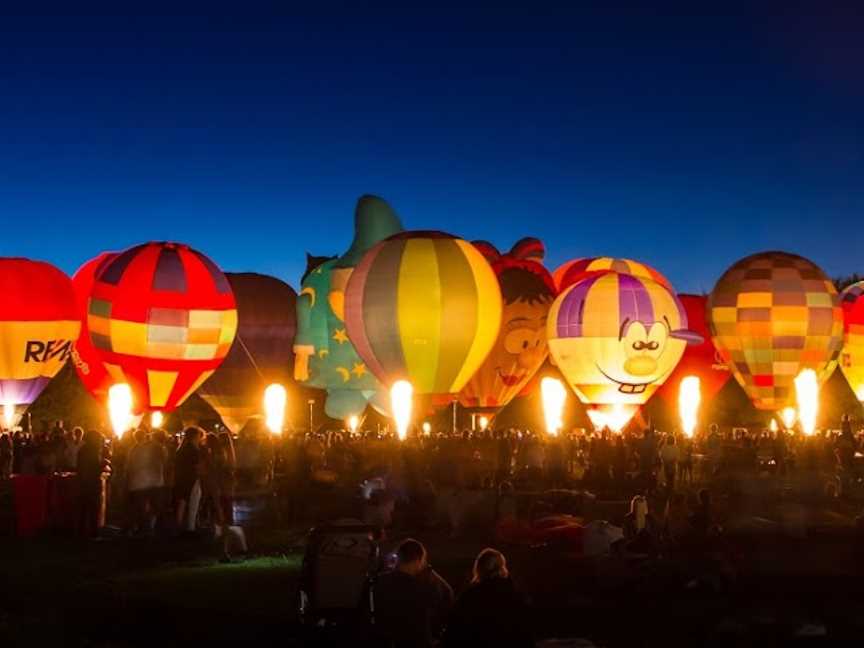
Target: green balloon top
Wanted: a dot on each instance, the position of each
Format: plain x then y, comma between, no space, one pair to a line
374,221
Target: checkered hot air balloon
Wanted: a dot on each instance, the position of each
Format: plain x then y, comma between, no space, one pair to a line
38,325
852,356
162,317
773,315
616,337
578,269
423,307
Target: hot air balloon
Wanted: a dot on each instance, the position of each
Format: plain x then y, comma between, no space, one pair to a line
424,307
616,337
852,356
262,352
578,269
85,358
161,317
773,315
701,360
520,348
38,325
325,357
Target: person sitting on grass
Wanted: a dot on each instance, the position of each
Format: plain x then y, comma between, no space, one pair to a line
411,601
490,612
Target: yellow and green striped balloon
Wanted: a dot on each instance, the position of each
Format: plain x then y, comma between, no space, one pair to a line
423,307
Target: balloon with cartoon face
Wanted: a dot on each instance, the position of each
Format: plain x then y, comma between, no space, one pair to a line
324,356
616,337
520,349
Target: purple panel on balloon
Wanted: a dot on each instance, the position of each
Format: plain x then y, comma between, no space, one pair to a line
21,392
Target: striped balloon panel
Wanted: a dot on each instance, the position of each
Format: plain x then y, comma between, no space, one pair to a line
574,271
425,309
852,356
601,304
772,315
162,317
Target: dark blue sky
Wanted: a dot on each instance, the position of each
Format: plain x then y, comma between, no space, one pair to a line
679,139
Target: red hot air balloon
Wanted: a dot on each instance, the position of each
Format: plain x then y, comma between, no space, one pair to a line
262,352
701,360
162,317
38,325
85,357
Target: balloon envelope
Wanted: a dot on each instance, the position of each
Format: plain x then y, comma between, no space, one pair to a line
85,357
520,348
38,325
773,315
616,337
162,317
423,307
262,352
852,357
578,269
701,360
325,357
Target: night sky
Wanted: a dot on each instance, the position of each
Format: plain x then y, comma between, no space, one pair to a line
686,141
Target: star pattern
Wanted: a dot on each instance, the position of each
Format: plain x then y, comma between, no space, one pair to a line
359,369
340,336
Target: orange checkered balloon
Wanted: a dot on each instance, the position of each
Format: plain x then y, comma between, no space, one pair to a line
772,315
161,317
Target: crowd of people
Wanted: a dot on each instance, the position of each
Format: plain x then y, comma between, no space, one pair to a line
156,484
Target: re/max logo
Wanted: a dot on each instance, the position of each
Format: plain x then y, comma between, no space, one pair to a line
39,351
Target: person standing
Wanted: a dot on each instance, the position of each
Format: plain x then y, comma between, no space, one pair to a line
669,455
145,480
91,483
187,479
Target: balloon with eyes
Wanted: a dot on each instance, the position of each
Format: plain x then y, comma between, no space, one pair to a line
616,338
324,356
527,289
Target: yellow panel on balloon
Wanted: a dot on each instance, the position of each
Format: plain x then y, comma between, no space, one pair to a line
160,384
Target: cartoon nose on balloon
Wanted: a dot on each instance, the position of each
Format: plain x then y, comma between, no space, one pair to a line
640,366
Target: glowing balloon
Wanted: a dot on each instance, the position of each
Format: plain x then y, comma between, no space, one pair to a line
520,348
325,357
773,315
616,337
85,357
401,395
162,318
852,357
689,396
807,395
262,352
38,326
554,397
612,417
578,269
701,360
424,307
